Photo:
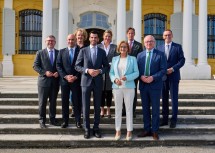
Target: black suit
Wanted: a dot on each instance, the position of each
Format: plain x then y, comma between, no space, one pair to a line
89,83
65,68
48,87
135,50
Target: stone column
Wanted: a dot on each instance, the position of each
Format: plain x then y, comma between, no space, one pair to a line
188,70
47,20
63,23
203,67
177,6
7,66
137,18
121,20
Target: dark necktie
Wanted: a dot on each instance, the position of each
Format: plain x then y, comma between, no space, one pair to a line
51,57
71,55
147,71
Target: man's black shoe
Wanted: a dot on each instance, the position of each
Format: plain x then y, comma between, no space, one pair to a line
54,123
163,123
86,134
64,125
78,125
97,133
172,125
42,126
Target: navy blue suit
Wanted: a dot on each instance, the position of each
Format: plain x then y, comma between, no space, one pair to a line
65,67
150,92
89,83
171,82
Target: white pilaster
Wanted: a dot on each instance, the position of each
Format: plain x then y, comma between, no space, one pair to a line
131,5
7,66
177,6
121,22
194,6
137,17
188,71
47,20
203,67
63,23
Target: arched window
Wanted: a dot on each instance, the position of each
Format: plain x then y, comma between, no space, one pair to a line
211,36
94,20
30,31
155,24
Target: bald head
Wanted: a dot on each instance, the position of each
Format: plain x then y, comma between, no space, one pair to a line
71,40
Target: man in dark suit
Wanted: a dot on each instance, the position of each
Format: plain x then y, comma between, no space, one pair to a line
152,67
175,60
92,63
70,80
48,80
135,48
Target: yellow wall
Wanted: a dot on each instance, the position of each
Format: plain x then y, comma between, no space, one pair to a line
23,63
1,7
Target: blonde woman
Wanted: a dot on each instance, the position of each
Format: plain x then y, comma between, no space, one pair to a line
123,72
110,50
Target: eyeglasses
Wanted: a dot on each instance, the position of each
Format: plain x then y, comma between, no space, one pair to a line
123,46
151,41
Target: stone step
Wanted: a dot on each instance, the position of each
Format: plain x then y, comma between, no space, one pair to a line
33,119
183,110
34,101
181,96
105,129
107,140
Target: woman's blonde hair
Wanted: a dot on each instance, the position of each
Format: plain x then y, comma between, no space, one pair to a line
83,31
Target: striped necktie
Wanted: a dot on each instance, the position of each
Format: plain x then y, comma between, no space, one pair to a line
147,71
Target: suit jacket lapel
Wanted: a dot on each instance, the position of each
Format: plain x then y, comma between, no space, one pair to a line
67,55
128,63
116,66
89,54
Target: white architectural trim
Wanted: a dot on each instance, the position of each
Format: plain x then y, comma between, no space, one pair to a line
47,20
63,23
121,20
137,19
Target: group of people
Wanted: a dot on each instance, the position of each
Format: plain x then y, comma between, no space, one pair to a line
106,70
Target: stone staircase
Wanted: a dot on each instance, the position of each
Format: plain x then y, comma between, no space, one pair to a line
19,125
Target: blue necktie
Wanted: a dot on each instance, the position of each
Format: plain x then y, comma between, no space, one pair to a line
71,55
51,57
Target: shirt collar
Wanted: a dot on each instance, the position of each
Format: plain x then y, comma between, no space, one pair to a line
48,49
93,46
168,44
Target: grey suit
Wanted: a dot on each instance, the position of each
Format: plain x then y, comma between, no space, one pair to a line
48,87
89,83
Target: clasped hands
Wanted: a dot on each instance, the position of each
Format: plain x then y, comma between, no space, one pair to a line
146,79
71,78
93,72
119,81
50,74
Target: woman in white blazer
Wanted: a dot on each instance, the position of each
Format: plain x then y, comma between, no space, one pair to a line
123,72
